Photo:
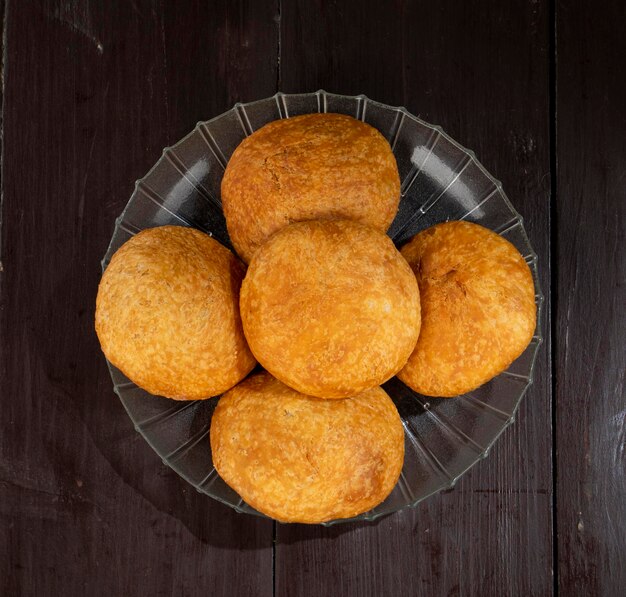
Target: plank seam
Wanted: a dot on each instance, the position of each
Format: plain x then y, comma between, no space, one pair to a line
4,5
278,44
274,532
552,94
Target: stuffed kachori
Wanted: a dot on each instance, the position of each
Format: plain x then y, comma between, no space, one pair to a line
167,314
477,307
330,307
298,458
304,168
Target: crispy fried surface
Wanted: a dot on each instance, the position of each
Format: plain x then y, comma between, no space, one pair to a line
302,459
167,314
478,308
330,307
305,168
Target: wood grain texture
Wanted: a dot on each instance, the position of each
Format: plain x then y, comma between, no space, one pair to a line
481,71
92,92
591,315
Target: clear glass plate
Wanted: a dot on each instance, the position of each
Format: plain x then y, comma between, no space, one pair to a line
441,180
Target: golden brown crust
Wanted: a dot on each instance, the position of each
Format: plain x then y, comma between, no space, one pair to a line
478,308
302,459
305,168
330,307
167,314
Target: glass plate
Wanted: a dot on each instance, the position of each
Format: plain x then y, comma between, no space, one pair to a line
441,180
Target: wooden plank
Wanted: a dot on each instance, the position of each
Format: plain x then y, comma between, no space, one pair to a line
480,69
92,92
591,313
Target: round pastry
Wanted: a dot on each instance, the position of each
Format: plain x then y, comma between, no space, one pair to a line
478,308
330,307
298,458
305,168
167,314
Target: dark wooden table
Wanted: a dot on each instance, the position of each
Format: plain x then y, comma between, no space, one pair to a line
93,90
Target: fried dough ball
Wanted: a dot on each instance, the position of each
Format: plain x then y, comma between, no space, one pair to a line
167,314
330,307
305,168
298,458
478,308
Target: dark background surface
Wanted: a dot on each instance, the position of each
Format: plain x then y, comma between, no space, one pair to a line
93,90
